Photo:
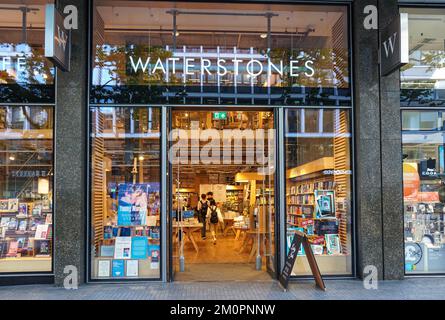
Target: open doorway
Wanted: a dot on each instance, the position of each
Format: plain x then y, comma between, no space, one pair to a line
222,194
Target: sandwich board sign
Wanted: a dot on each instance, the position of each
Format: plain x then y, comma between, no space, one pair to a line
299,239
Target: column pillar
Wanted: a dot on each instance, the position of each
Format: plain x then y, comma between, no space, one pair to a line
369,246
70,154
391,144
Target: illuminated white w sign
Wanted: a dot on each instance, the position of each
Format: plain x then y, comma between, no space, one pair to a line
394,50
57,39
61,38
389,45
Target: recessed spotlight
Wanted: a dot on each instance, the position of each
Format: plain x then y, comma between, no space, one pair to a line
12,158
141,158
263,35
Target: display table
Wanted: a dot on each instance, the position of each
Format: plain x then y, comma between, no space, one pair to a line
228,226
239,231
252,237
188,228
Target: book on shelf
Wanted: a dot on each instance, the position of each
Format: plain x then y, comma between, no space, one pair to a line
41,231
13,248
23,209
41,248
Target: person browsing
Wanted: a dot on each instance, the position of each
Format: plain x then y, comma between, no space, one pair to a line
214,216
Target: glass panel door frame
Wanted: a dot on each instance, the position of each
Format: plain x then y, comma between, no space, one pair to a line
166,167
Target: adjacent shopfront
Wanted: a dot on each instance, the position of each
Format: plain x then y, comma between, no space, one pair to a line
26,137
422,100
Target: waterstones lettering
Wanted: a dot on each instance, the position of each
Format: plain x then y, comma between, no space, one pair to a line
221,67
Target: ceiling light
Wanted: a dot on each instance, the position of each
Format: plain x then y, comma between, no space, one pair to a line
141,158
263,35
12,158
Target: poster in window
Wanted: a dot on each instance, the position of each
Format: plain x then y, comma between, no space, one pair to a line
122,248
133,203
132,268
139,248
118,268
103,268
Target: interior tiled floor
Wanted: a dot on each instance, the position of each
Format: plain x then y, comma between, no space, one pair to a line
223,261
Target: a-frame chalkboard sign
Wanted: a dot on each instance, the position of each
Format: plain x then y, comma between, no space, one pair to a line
299,239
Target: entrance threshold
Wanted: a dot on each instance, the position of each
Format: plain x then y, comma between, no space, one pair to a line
211,272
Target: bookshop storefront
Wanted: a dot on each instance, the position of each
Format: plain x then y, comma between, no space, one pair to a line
187,99
176,114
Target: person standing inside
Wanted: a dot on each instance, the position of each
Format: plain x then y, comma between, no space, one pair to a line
215,217
202,207
209,196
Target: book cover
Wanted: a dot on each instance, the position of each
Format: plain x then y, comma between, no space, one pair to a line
103,267
21,242
41,231
22,225
155,259
122,248
332,244
132,204
23,209
37,211
139,248
3,248
49,218
4,222
115,232
4,205
108,232
317,249
41,247
154,232
106,251
118,268
132,269
12,224
13,247
13,204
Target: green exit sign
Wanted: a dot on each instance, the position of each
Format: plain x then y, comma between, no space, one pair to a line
219,115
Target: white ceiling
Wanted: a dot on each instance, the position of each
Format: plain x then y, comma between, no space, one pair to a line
150,15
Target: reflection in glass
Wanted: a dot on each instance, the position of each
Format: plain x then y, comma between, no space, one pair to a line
210,54
423,78
424,192
125,193
25,74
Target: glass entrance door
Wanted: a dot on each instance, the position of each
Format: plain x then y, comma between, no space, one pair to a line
222,165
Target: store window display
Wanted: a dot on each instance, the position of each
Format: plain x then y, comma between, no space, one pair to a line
424,191
125,195
423,86
26,185
318,186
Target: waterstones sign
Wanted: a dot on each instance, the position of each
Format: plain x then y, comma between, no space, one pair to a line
201,64
394,45
57,38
